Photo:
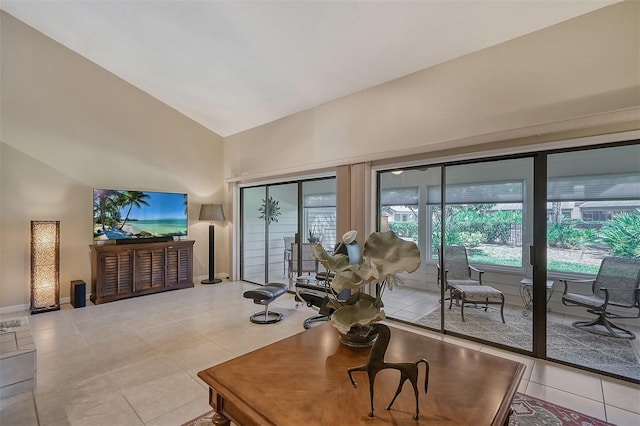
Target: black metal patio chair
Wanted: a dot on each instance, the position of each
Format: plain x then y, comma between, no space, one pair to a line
617,284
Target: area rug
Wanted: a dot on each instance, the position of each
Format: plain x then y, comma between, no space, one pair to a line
527,411
201,420
530,411
564,342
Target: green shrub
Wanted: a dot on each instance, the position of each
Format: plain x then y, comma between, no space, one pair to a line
405,229
470,225
567,234
622,234
498,225
558,234
587,237
471,239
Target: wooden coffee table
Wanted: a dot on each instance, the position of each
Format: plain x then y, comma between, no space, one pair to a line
302,380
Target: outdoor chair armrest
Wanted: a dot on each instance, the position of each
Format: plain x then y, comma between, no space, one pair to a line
618,289
441,277
474,269
577,280
566,282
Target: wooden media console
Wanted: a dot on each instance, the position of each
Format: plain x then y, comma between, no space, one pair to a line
120,271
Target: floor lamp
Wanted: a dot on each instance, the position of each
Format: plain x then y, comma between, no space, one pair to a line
45,266
211,212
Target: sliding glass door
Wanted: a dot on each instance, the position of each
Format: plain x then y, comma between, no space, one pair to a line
269,224
530,235
254,232
404,209
486,225
281,230
280,223
483,211
593,213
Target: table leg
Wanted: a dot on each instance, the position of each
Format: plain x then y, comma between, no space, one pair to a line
526,292
218,419
549,294
527,298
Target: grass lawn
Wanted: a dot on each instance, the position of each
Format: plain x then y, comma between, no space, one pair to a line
558,260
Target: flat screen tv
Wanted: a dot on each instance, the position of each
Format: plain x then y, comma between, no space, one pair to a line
124,214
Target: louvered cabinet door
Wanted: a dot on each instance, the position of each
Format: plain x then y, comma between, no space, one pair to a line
116,274
149,269
119,271
179,266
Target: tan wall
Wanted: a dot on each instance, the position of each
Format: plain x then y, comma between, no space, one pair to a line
68,126
588,65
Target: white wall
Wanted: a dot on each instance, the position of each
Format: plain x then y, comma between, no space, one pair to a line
582,67
69,126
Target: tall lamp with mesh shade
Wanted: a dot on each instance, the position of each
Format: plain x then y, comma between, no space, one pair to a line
211,212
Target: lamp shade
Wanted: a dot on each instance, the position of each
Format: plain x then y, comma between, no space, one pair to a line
211,212
45,266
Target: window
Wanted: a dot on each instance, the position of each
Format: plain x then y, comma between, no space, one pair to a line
319,213
486,218
399,208
593,208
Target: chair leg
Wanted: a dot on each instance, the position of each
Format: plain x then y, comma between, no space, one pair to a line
602,320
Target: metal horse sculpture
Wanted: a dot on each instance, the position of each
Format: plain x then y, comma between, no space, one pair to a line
408,370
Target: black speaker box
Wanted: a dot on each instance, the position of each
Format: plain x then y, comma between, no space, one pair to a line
78,294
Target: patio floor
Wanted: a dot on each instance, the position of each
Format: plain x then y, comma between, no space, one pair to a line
564,342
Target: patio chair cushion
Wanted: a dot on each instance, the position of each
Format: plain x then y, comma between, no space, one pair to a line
458,283
479,292
585,299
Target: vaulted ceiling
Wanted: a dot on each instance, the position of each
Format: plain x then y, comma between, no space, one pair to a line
234,65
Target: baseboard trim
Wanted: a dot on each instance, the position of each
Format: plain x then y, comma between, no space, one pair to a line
25,307
14,308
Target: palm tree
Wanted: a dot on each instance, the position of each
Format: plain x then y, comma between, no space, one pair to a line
133,198
101,198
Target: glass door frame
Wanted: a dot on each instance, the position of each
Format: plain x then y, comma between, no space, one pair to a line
538,274
299,235
538,250
538,214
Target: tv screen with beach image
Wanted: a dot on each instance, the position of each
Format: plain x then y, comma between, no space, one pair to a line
122,214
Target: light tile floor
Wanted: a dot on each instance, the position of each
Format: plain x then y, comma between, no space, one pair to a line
134,362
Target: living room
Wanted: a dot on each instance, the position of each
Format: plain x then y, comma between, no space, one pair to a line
69,125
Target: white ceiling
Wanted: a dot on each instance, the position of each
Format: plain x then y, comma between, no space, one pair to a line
234,65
